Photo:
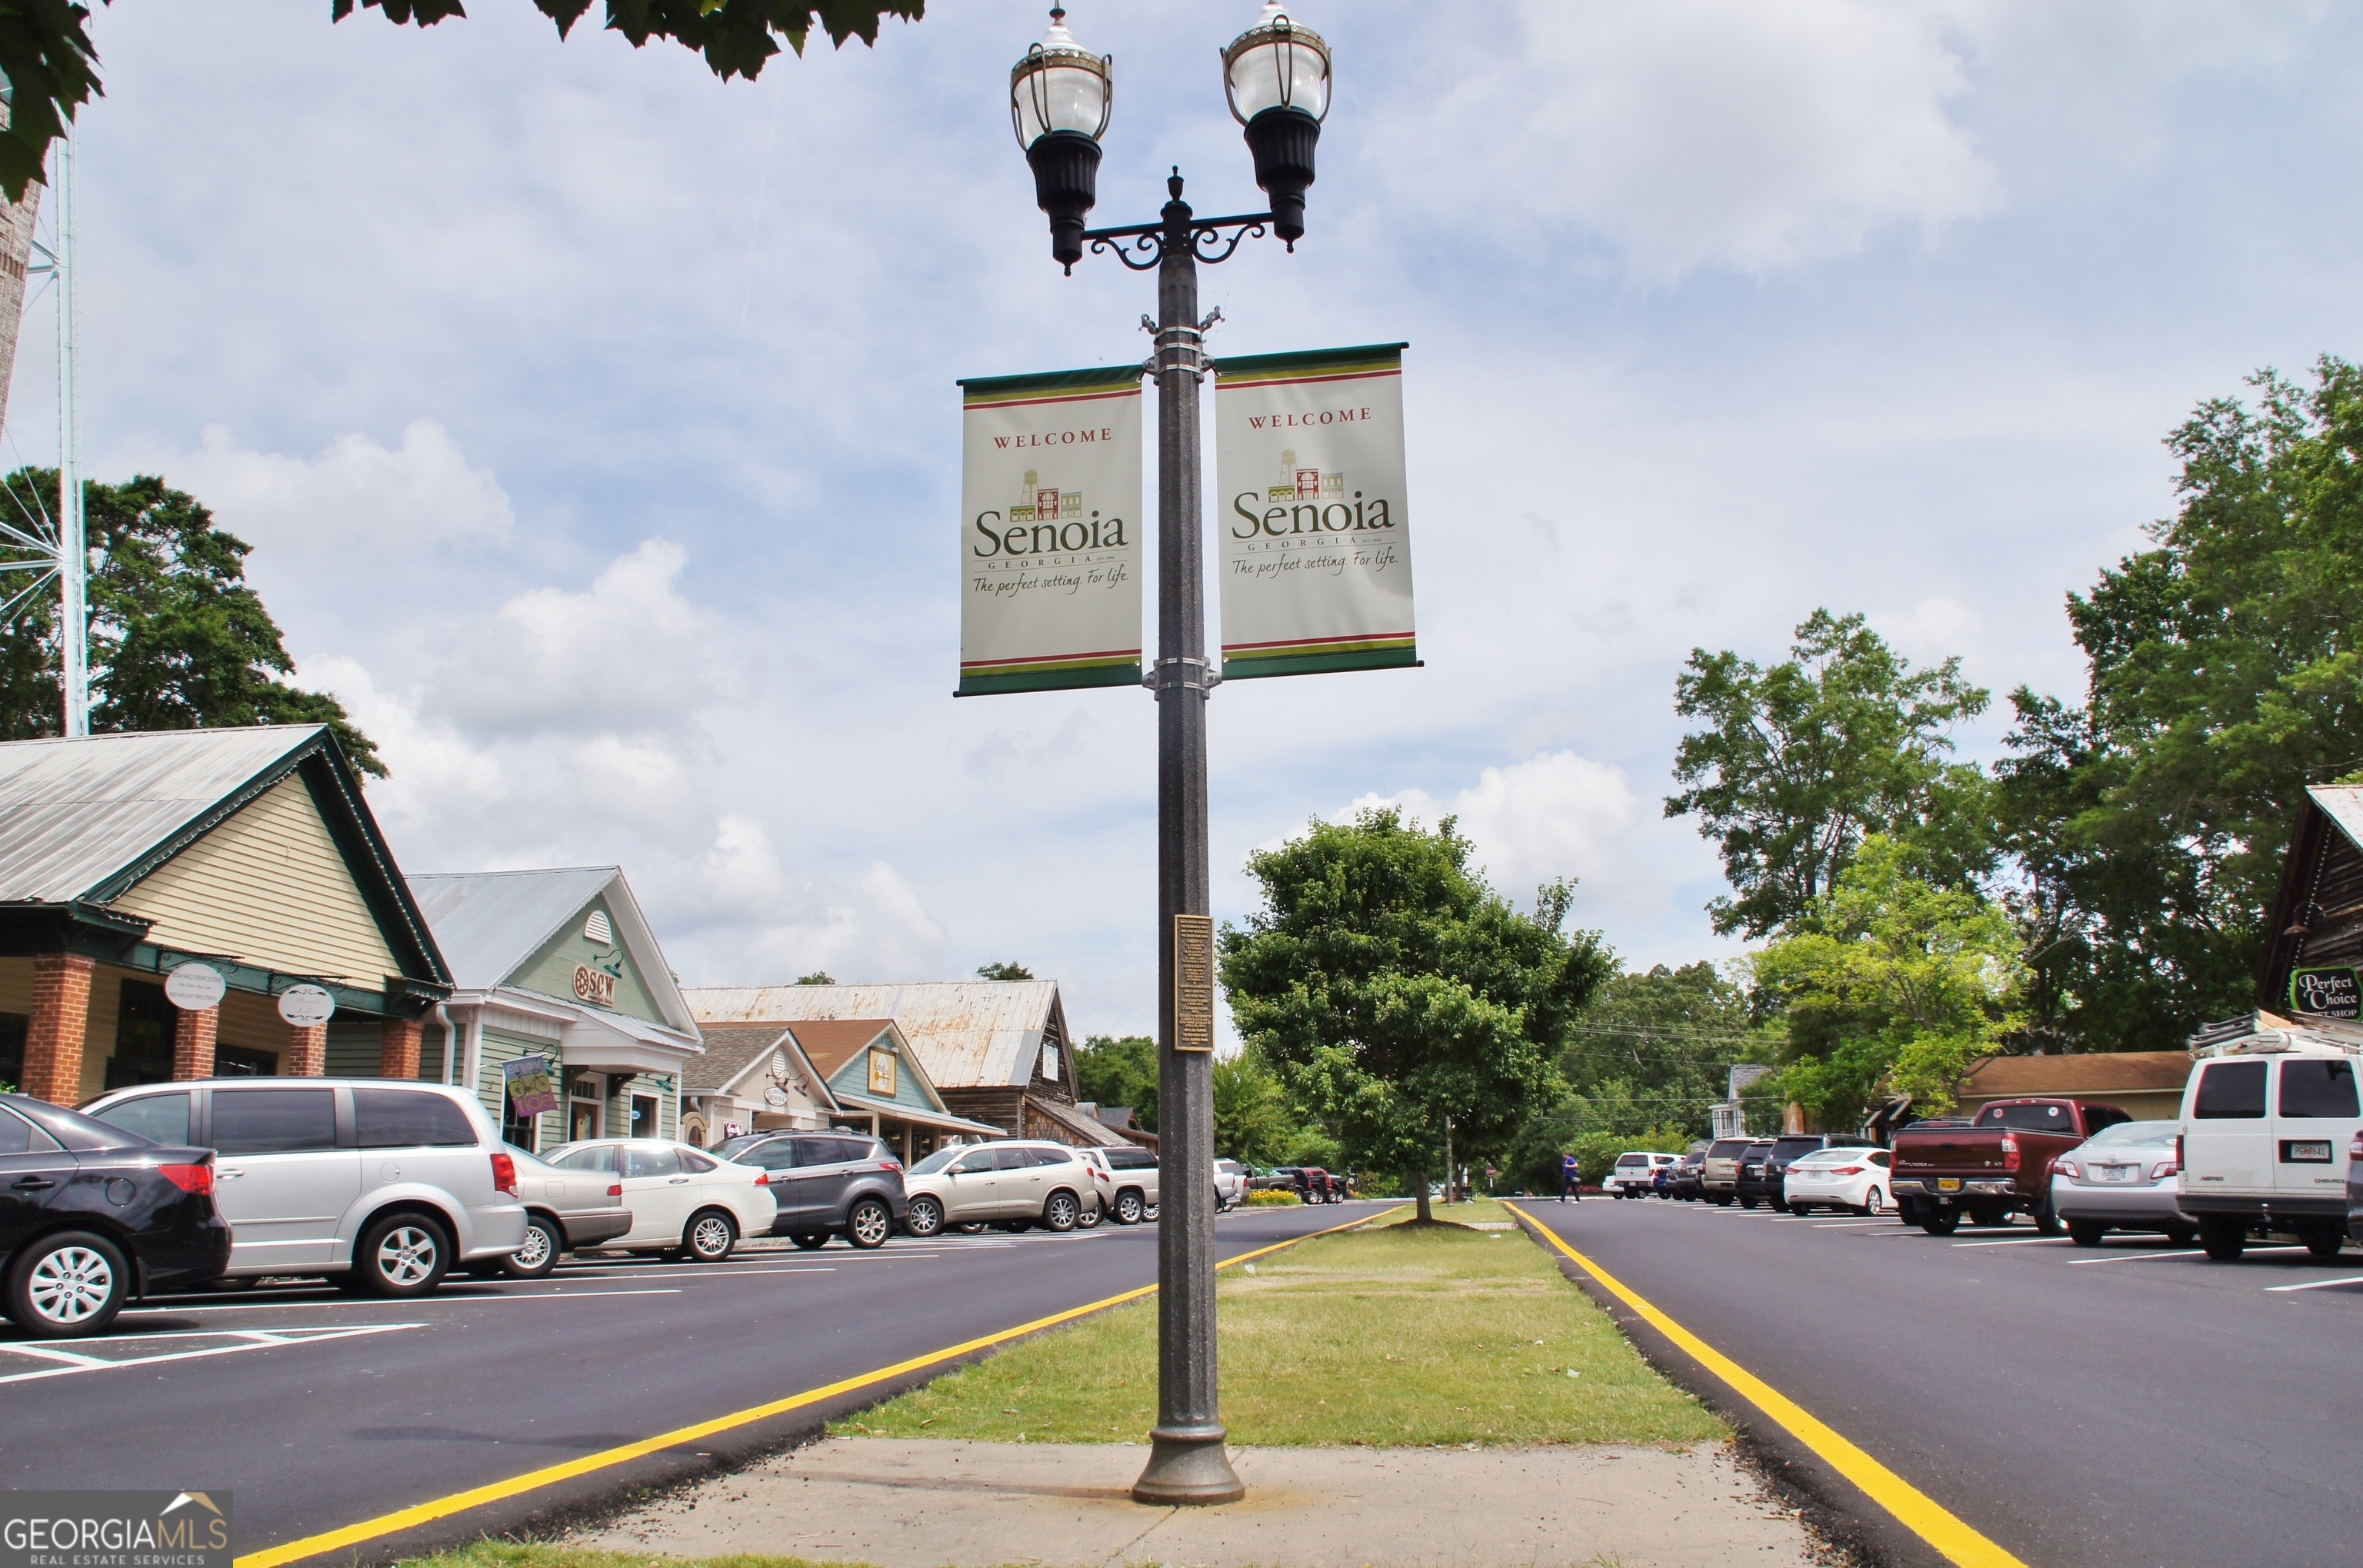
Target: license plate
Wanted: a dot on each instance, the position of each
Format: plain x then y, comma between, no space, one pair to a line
2115,1173
2309,1153
1948,1184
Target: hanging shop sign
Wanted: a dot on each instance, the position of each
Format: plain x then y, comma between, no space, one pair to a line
306,1007
193,988
2330,991
594,985
1050,531
532,1087
1316,532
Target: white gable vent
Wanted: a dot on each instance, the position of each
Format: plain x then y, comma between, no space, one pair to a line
597,928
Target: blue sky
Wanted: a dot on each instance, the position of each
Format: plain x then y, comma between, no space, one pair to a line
595,421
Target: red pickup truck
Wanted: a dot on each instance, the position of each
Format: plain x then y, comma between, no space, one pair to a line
1993,1165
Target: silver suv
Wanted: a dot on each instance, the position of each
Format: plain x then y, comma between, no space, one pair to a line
1135,1172
379,1185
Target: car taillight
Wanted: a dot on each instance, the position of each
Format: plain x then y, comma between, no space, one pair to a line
2067,1168
504,1174
889,1166
2009,1153
198,1179
2354,1150
1847,1170
2178,1151
616,1190
2164,1169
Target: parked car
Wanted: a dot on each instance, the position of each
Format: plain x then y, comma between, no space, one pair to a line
1687,1182
378,1184
92,1215
564,1211
2263,1119
1230,1185
685,1203
1014,1184
2121,1178
826,1184
1314,1185
1751,1186
1134,1170
1719,1172
1792,1146
1851,1176
1633,1173
1996,1166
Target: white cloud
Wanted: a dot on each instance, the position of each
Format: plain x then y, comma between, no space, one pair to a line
355,498
1705,132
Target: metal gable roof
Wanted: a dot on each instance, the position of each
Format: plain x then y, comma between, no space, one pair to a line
965,1033
489,922
2343,804
74,814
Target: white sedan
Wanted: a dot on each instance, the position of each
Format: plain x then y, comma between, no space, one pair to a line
1853,1179
685,1202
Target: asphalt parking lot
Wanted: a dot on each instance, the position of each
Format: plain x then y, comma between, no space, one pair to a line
2122,1406
318,1410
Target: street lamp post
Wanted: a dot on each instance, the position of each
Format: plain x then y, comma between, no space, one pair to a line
1276,76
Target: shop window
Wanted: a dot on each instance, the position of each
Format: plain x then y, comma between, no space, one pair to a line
143,1037
238,1062
519,1131
644,1117
14,1026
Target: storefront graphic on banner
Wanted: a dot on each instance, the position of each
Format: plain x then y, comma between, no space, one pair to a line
1050,531
1316,531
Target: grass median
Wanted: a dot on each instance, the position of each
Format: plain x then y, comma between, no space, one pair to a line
1391,1336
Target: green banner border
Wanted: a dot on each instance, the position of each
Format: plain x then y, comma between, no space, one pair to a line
1307,359
1099,378
1250,669
1127,674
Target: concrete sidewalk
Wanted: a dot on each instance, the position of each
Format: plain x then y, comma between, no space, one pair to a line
928,1503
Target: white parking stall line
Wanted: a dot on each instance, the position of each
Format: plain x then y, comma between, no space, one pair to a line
2314,1285
248,1339
2022,1242
2192,1253
49,1352
414,1302
1860,1225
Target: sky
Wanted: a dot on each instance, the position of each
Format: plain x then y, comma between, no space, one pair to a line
593,421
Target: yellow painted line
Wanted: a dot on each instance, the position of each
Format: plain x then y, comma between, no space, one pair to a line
1914,1508
550,1475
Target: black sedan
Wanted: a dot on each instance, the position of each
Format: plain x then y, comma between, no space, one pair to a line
91,1216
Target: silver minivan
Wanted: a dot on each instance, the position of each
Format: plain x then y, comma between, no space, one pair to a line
379,1185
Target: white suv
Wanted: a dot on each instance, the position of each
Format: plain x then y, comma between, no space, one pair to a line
1230,1185
380,1185
2266,1122
1132,1172
1636,1173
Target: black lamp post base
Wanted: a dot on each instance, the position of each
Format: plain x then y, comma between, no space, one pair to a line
1188,1467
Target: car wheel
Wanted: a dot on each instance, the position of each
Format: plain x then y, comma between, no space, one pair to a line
2086,1233
710,1236
1874,1204
2225,1240
1059,1211
1090,1220
972,1227
1148,1211
810,1241
2182,1235
1127,1208
1940,1221
1017,1227
867,1223
71,1282
925,1217
2047,1220
543,1243
402,1254
1747,1203
2325,1244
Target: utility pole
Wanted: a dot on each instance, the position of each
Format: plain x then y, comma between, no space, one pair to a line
74,546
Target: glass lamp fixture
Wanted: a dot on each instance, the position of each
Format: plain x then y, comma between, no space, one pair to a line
1277,76
1058,97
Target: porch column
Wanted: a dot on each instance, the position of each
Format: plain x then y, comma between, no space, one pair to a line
53,1038
397,1051
307,1052
193,1043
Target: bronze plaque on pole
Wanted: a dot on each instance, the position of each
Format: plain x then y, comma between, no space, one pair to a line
1194,982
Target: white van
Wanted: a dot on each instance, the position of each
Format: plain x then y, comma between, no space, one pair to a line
2266,1122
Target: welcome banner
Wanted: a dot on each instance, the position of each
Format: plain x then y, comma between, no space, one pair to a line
1050,531
1316,546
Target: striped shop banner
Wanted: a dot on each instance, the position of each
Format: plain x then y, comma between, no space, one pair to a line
1317,545
1050,531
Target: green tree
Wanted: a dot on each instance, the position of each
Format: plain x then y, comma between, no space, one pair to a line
1004,971
1891,980
178,640
1253,1121
1797,763
2225,675
1389,988
52,69
1113,1071
817,978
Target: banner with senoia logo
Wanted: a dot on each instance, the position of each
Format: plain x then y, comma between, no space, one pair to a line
1316,545
1050,531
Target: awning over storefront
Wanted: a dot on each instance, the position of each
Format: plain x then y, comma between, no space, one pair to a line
895,1110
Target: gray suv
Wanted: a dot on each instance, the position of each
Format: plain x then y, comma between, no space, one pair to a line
379,1185
826,1184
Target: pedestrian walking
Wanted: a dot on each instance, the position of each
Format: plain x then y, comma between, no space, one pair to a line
1570,1183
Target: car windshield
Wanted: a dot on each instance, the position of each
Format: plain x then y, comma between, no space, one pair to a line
1829,1157
936,1161
1727,1149
2136,1132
